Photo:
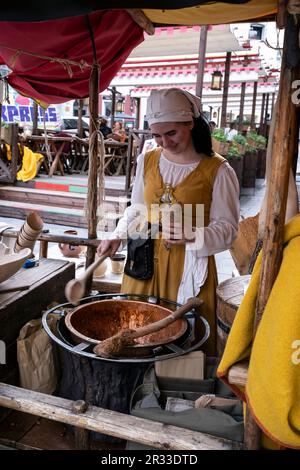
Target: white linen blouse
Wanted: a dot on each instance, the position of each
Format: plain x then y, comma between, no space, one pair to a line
216,237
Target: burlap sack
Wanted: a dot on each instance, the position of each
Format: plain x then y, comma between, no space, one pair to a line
35,357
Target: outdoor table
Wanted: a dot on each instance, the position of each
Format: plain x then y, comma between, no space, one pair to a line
56,149
115,153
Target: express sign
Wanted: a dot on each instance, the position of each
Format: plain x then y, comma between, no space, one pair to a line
24,114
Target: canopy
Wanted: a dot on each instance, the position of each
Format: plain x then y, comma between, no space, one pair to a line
184,12
114,33
27,47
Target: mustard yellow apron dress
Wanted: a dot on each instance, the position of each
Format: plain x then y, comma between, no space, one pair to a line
195,189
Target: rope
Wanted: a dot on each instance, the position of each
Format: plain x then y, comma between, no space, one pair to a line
90,211
66,63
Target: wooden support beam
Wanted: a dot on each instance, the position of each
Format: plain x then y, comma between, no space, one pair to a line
112,423
142,20
282,152
43,249
201,61
261,123
48,237
242,102
14,151
35,118
92,194
253,106
79,122
225,89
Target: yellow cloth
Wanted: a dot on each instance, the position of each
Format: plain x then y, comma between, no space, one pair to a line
29,165
273,385
8,152
196,188
214,13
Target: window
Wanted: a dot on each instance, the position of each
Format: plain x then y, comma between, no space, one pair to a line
256,31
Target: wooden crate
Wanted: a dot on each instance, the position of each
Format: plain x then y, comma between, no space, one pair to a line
220,147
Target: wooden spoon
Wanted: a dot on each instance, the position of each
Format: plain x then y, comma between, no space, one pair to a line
113,346
75,288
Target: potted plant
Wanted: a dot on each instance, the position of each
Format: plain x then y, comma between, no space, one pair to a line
240,141
236,161
219,142
250,166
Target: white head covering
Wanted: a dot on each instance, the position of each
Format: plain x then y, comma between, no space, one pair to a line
172,105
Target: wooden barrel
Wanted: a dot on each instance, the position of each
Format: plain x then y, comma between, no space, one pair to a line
230,294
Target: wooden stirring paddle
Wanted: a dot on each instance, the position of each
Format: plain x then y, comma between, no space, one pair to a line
75,288
114,345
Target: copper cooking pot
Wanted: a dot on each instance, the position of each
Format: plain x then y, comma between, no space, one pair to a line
96,321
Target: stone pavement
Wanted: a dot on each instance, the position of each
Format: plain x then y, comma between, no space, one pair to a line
250,201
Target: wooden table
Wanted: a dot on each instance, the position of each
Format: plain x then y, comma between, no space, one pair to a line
46,285
56,149
115,153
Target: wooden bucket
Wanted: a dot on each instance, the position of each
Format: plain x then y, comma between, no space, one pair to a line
230,294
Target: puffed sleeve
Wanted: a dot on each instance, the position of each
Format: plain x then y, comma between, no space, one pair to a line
224,216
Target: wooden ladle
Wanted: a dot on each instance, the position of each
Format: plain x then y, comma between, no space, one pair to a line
75,288
114,345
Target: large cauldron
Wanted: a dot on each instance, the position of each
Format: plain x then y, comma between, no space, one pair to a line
96,321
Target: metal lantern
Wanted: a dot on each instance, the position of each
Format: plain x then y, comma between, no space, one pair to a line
120,105
216,80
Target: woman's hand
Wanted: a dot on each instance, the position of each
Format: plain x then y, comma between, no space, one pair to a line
177,234
108,247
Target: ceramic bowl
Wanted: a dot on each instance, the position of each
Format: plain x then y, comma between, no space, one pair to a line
10,264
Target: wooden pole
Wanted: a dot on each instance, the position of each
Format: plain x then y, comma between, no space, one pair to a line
93,166
201,61
261,123
266,115
113,106
273,103
241,114
253,106
276,201
79,122
14,151
138,112
35,118
225,89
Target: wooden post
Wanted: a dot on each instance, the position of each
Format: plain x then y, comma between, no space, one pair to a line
273,103
43,249
253,106
282,145
137,112
79,122
261,123
266,115
128,163
93,166
201,61
14,151
225,89
241,115
113,106
35,118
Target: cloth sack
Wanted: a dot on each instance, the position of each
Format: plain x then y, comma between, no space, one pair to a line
35,357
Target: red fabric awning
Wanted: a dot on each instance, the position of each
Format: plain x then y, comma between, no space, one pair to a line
115,35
